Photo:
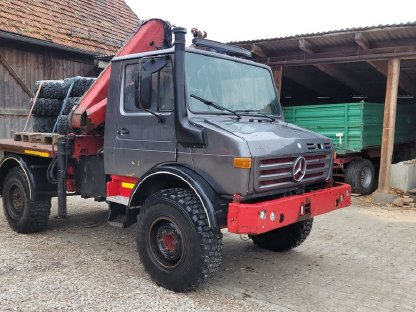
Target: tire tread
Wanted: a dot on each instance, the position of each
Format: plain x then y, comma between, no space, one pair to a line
210,238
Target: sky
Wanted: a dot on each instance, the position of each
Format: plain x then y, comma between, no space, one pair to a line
245,20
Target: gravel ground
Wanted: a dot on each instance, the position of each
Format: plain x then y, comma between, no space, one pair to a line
83,264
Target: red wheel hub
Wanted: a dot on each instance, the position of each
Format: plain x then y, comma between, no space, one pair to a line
169,241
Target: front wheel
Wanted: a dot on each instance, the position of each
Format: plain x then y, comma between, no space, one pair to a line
22,214
284,238
176,245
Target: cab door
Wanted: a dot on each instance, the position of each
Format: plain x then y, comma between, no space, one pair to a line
144,140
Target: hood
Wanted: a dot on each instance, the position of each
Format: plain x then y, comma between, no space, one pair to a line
272,138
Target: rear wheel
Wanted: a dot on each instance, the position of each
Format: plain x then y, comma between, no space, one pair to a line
176,245
360,174
22,214
284,238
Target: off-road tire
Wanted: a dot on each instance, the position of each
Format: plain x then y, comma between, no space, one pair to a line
43,124
47,107
284,238
22,214
360,174
81,86
200,245
52,90
70,103
63,126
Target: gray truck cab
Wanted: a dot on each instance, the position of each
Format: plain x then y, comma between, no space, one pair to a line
214,114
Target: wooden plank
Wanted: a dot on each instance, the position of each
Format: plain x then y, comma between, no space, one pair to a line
390,107
37,137
16,76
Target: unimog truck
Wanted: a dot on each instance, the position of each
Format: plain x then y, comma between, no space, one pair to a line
185,141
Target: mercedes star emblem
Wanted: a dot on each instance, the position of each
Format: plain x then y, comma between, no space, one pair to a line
299,169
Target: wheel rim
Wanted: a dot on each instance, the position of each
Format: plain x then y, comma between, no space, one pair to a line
366,177
16,202
166,243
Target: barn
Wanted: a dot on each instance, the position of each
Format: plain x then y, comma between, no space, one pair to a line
366,64
42,40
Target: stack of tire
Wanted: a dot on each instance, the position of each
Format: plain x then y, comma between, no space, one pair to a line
48,105
50,100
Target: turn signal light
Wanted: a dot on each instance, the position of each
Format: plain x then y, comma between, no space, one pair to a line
242,162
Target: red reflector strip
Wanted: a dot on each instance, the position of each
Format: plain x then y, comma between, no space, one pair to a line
121,186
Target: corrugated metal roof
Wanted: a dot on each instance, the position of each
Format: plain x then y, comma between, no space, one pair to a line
339,65
409,25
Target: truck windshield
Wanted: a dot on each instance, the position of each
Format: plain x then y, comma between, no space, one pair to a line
237,86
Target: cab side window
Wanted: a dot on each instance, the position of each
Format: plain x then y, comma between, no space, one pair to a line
162,88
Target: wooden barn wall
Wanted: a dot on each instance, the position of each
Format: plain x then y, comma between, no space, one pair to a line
32,64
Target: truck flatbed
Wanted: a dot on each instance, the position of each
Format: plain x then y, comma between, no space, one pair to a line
27,148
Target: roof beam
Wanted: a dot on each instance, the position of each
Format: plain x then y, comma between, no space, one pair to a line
258,50
347,55
405,83
334,72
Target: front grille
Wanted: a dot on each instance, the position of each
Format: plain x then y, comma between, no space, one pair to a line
274,173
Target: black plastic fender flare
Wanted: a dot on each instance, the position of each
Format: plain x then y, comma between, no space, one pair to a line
14,160
210,200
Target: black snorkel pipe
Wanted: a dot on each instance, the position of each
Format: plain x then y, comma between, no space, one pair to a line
187,133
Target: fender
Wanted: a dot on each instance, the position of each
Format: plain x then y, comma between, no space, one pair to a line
215,208
11,161
34,170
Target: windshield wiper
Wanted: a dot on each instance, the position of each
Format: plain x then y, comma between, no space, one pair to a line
257,115
215,105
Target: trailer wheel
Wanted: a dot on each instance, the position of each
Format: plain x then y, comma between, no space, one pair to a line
177,247
360,174
284,238
22,214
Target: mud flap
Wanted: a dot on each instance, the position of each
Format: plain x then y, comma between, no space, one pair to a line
122,216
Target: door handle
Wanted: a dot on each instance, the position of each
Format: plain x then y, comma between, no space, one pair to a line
123,131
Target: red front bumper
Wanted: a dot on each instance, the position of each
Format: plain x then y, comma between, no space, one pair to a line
258,218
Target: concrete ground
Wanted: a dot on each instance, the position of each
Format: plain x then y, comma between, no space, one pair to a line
362,258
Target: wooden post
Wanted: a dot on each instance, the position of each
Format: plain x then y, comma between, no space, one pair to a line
390,107
277,74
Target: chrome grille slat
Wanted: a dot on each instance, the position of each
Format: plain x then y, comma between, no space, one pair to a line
267,177
277,166
316,170
316,161
276,172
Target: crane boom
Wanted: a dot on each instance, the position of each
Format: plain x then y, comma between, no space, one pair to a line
151,35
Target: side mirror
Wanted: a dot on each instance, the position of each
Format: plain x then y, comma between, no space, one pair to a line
148,68
145,99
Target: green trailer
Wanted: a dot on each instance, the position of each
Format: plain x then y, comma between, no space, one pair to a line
356,131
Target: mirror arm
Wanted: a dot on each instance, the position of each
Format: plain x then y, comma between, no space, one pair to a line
160,117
